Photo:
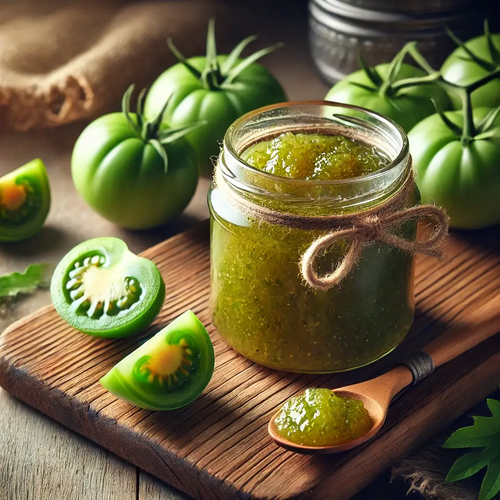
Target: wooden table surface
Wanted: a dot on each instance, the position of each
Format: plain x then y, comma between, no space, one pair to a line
39,459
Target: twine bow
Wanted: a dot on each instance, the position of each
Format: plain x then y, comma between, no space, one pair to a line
359,229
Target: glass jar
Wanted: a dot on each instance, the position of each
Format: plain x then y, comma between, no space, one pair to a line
260,303
340,29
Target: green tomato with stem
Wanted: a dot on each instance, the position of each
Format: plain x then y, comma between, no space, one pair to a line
216,89
457,160
104,290
135,172
388,89
472,61
168,371
24,201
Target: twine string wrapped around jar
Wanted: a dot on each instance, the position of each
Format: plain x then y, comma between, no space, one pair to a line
359,229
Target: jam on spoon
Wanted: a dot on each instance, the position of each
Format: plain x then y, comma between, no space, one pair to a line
318,417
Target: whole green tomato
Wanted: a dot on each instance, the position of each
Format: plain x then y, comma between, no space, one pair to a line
214,89
463,176
137,177
472,61
406,106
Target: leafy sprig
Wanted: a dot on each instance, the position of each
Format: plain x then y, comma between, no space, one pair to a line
35,276
484,437
150,131
221,76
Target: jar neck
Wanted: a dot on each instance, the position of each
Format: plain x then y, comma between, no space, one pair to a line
297,195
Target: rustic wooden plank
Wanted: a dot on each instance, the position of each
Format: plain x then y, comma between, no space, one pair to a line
151,488
39,459
218,447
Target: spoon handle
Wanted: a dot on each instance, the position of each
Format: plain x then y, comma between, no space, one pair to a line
479,326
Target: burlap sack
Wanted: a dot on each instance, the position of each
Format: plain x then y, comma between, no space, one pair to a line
63,60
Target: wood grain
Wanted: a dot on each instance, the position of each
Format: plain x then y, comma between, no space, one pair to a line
38,460
218,447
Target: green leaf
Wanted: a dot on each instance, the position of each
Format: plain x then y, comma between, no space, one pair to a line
211,63
156,122
468,465
393,103
490,134
488,120
370,72
419,58
140,107
491,481
485,434
170,135
161,151
250,60
35,276
397,62
470,437
494,53
126,109
452,126
364,87
494,407
478,60
233,57
196,73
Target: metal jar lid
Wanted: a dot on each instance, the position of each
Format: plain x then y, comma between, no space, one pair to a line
339,31
411,6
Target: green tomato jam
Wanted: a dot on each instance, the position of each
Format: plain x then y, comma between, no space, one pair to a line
260,303
313,156
320,418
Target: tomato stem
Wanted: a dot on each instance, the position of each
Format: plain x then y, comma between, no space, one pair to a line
415,81
473,57
215,76
149,130
483,81
469,130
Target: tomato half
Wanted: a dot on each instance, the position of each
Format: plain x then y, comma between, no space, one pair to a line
406,106
215,89
469,63
461,176
124,171
168,371
24,201
104,290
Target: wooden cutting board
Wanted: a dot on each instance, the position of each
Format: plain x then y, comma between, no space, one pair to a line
218,447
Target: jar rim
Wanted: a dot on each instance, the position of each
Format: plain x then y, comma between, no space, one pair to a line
402,154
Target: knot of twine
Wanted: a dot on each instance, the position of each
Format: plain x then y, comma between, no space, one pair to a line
359,229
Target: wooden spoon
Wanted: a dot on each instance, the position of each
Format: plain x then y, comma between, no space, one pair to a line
378,393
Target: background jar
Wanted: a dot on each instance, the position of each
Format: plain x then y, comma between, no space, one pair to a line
340,29
260,303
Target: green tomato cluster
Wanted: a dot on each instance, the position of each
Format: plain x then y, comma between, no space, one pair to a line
455,153
140,170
